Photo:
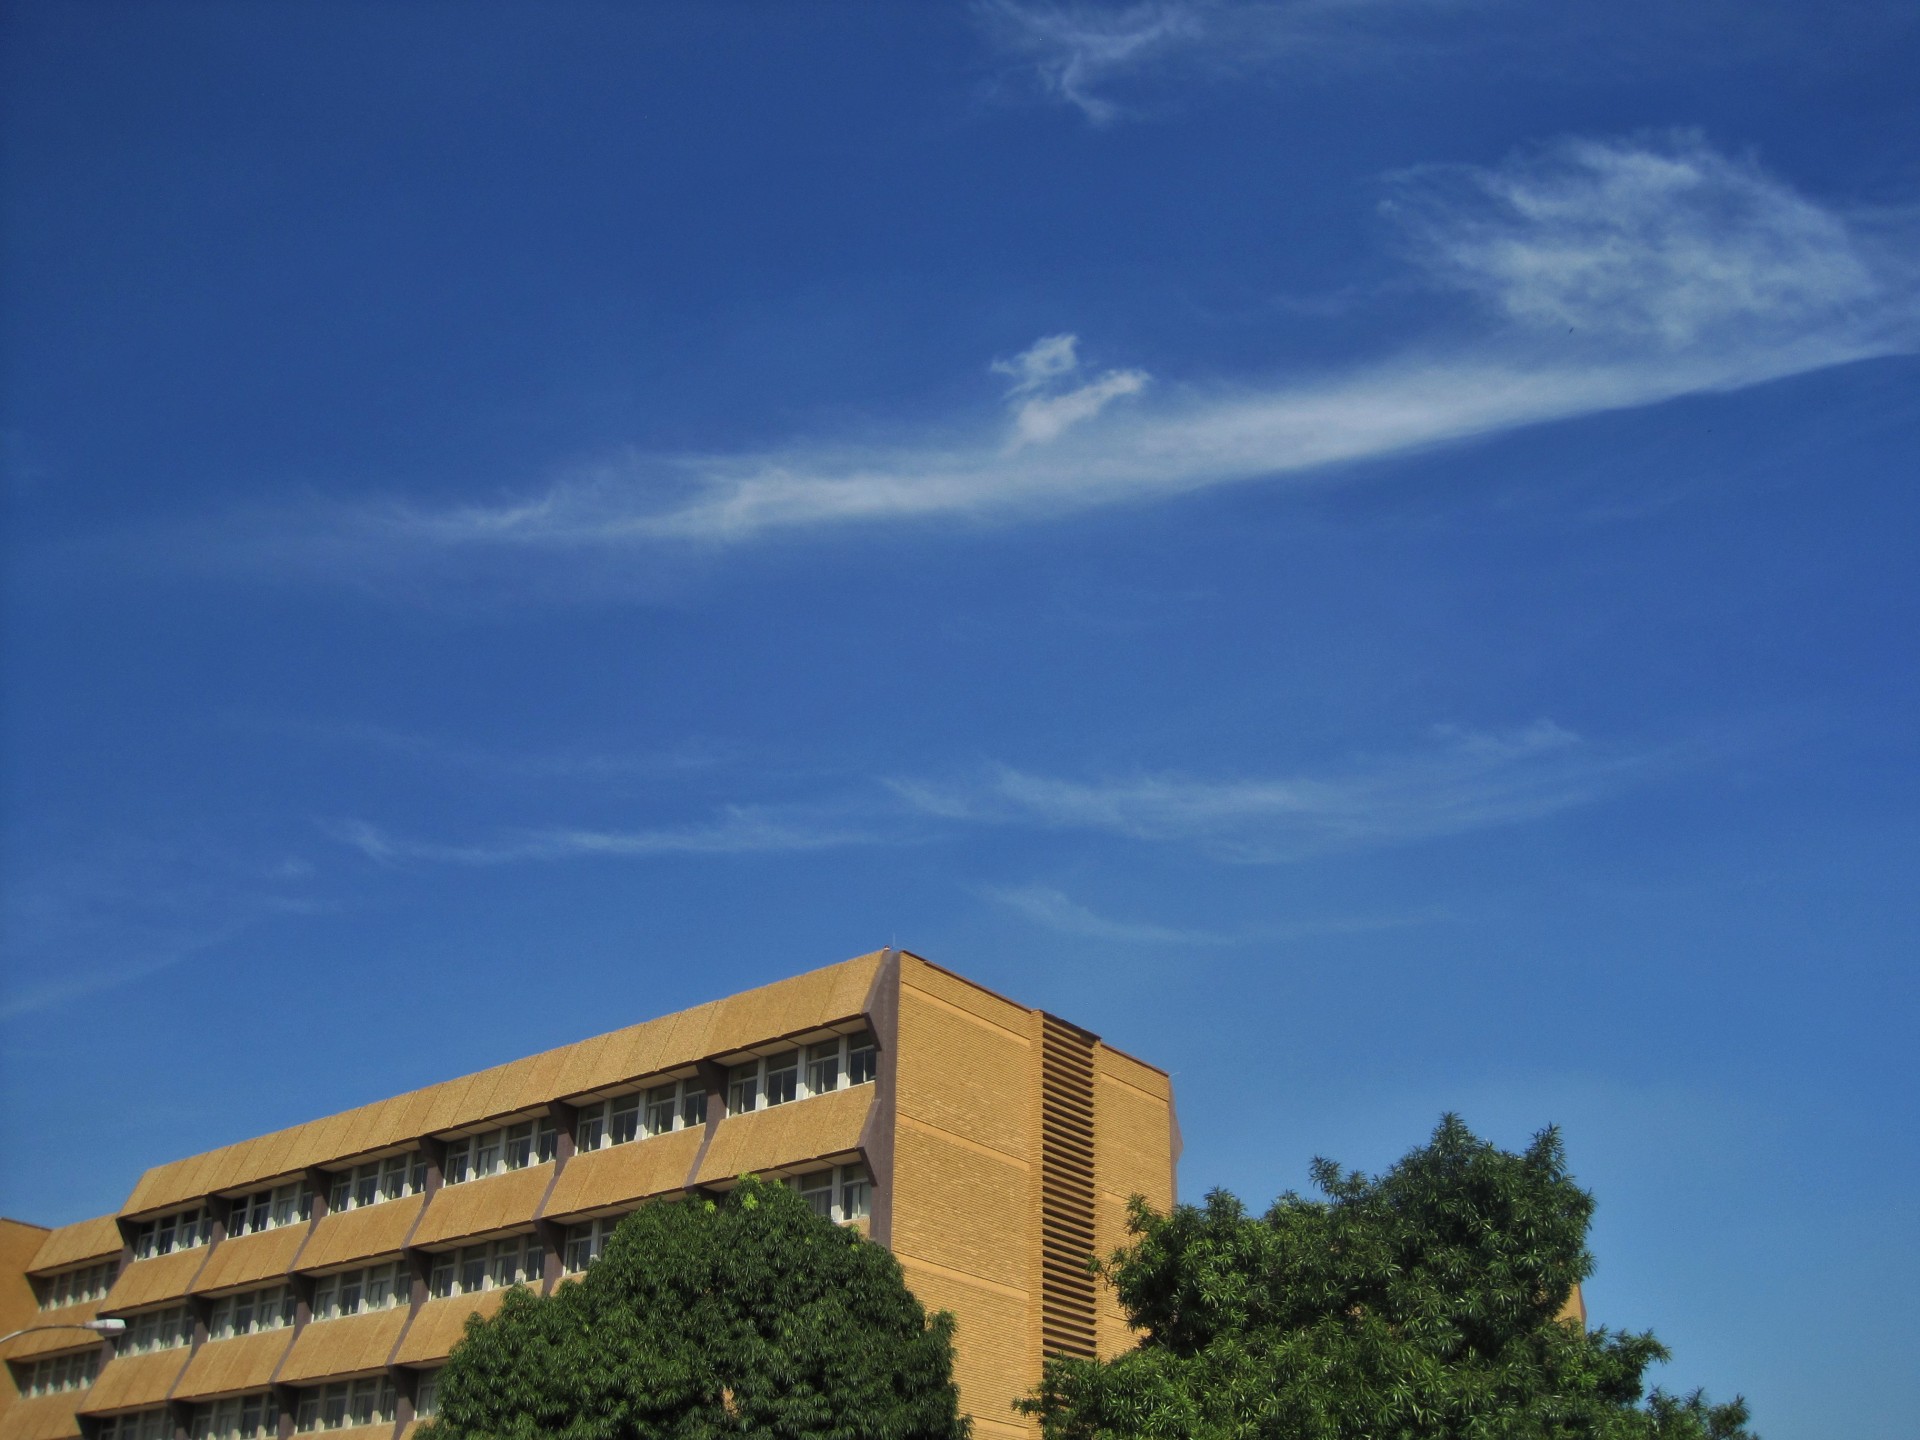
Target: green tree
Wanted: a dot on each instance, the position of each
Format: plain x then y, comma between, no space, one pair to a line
745,1317
1423,1304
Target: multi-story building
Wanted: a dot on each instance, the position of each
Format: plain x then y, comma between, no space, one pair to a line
316,1278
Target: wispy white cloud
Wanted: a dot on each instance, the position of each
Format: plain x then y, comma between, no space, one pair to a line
1465,781
1086,55
1043,409
129,909
1074,50
1594,275
1460,781
1053,910
737,830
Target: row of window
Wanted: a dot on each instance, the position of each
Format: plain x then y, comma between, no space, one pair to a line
817,1069
182,1230
356,1292
61,1372
269,1209
680,1105
392,1178
347,1402
252,1311
153,1424
830,1065
517,1260
244,1417
76,1287
840,1194
494,1152
166,1329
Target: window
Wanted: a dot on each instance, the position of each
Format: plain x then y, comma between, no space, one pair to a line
356,1292
251,1311
349,1402
76,1287
829,1065
157,1330
862,1058
426,1395
153,1424
493,1152
270,1209
585,1241
678,1105
62,1372
182,1230
516,1260
377,1180
840,1195
743,1088
244,1417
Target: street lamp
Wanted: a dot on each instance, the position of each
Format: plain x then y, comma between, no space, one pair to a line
99,1327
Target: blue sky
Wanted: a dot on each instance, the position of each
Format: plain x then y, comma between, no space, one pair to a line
1364,551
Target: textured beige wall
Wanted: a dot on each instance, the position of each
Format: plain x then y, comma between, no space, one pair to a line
147,1282
224,1367
440,1324
623,1173
45,1417
130,1382
18,1306
1133,1155
963,1207
350,1345
785,1007
361,1234
455,1212
786,1135
250,1259
96,1239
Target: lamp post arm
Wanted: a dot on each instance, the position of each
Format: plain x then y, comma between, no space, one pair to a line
98,1327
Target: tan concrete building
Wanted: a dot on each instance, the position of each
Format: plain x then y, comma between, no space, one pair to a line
316,1278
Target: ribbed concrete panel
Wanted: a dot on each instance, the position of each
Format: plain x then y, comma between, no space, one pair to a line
224,1367
361,1234
457,1211
165,1277
440,1324
786,1134
129,1382
351,1345
624,1173
71,1244
248,1259
45,1417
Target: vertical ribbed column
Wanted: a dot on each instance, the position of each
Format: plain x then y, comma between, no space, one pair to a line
1066,1189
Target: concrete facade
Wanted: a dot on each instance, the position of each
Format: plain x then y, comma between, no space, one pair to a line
990,1146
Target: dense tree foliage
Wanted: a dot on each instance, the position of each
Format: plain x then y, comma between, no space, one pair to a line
749,1317
1420,1305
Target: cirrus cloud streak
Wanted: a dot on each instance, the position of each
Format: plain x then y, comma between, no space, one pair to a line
1584,276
